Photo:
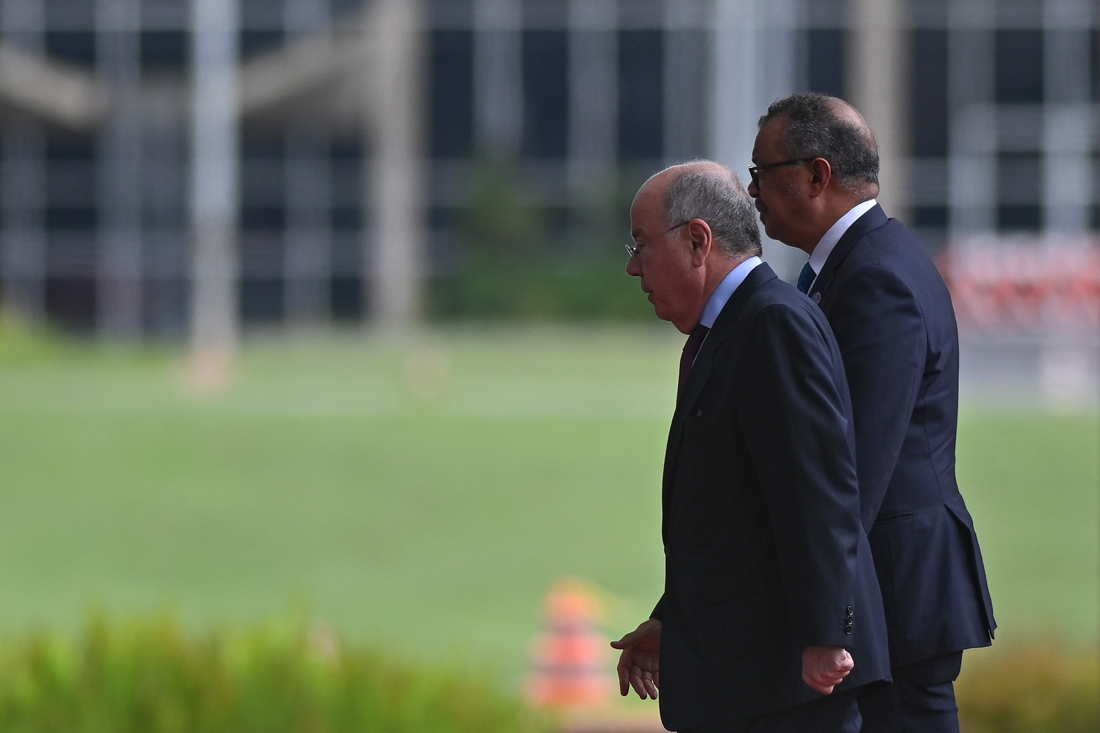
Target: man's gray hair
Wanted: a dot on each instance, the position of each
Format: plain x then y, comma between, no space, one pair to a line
720,199
814,129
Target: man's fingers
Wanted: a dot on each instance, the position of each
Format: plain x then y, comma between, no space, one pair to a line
643,685
627,640
824,682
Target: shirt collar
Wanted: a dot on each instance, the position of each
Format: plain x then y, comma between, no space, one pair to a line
724,291
825,247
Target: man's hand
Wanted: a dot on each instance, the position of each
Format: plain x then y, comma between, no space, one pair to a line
825,667
639,662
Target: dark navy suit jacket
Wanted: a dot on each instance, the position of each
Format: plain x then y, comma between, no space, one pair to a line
892,316
765,553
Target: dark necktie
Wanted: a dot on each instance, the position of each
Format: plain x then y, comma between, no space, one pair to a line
805,278
691,348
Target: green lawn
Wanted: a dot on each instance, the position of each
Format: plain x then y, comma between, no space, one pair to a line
425,494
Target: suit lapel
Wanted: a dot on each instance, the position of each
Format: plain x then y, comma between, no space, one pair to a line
704,364
873,219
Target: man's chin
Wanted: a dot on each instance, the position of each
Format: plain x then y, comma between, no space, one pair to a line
659,311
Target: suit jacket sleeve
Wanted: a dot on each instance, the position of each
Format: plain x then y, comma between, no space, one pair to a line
792,411
884,359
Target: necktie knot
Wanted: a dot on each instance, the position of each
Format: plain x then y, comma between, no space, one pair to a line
805,278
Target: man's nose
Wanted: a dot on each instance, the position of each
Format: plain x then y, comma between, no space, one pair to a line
632,267
753,190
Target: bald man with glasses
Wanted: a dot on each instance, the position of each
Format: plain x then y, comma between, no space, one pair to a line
771,619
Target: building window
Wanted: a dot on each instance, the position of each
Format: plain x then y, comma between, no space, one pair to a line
452,85
164,50
1019,66
1019,179
929,93
641,94
825,61
546,93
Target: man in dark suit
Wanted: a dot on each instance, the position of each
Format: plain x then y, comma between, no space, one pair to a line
814,178
771,618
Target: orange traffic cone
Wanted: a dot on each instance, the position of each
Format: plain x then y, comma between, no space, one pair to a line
570,659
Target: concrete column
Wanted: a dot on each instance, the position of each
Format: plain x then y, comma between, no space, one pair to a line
752,47
498,76
214,187
119,251
685,80
593,92
878,84
593,116
398,262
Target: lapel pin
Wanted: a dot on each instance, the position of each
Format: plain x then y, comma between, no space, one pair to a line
816,297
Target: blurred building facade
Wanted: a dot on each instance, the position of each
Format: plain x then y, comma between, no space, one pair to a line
987,113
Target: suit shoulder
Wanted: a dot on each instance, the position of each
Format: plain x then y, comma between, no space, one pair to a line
782,296
894,247
779,306
891,257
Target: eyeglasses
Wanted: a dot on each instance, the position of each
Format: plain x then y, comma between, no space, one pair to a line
634,249
754,170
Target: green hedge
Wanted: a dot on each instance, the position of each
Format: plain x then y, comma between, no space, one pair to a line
562,289
151,677
516,259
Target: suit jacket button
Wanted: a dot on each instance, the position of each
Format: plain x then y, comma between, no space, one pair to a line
848,629
849,610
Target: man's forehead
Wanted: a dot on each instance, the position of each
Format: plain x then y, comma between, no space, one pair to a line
648,206
769,134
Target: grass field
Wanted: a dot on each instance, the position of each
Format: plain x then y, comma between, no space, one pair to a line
425,494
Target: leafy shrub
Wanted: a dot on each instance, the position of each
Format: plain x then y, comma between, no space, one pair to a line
150,677
580,288
1038,689
518,260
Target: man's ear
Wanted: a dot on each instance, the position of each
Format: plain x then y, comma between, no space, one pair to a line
821,173
702,239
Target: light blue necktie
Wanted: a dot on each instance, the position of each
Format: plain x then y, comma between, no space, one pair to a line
806,278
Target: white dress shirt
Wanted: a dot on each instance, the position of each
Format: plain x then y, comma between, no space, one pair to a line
825,247
725,289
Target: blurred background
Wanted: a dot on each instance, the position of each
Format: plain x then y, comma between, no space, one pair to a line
319,304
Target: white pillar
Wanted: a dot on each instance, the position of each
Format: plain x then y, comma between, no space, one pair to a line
753,66
396,193
498,76
878,84
593,95
214,186
591,164
685,71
